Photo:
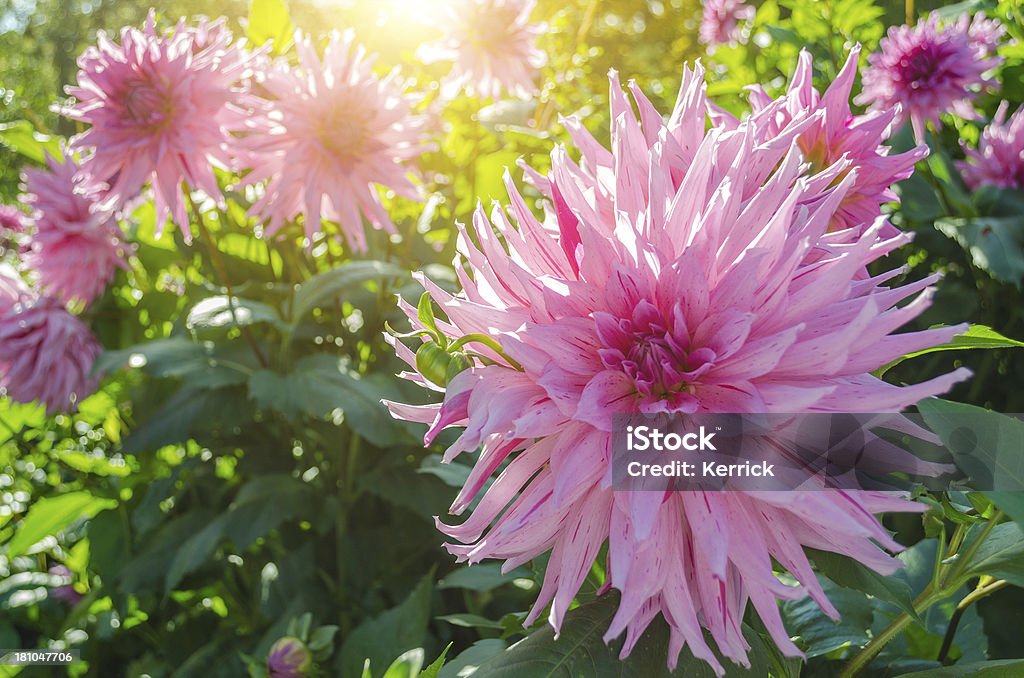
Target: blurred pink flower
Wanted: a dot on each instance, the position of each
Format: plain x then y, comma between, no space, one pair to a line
46,354
160,108
720,22
930,69
65,592
332,130
492,45
75,247
672,273
11,220
836,135
999,158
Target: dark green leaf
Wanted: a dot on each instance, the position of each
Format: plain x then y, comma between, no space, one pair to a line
996,245
816,633
382,638
850,574
1001,555
1003,668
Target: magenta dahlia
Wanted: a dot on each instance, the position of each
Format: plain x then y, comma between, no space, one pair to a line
74,248
331,131
721,21
836,136
999,158
160,108
11,220
492,45
46,354
930,69
672,273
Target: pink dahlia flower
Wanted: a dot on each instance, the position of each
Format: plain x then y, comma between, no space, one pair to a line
330,132
929,69
46,354
492,46
672,273
75,247
721,21
161,108
837,136
999,158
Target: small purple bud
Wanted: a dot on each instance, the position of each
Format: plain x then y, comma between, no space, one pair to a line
289,658
65,593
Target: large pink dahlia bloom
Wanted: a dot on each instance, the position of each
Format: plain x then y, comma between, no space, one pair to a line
999,158
930,69
688,269
46,354
721,19
331,131
75,247
837,136
492,45
161,108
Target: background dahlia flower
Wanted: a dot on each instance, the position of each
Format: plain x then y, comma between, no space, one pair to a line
74,248
11,220
999,158
492,46
46,354
930,69
837,136
687,269
330,131
720,22
161,108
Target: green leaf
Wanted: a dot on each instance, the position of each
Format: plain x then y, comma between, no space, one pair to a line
407,665
168,357
580,651
325,286
850,574
21,137
194,552
976,336
986,445
225,311
480,577
816,633
1001,555
469,659
399,629
322,383
1002,668
1011,503
470,621
996,245
435,666
269,20
50,515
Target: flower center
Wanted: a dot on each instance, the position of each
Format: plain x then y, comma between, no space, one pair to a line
655,353
147,106
345,134
920,66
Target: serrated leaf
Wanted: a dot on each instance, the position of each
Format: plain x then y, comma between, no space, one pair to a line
51,515
435,666
850,574
1001,555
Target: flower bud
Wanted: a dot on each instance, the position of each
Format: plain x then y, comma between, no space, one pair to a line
432,362
289,658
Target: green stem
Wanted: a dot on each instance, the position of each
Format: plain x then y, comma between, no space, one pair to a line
983,589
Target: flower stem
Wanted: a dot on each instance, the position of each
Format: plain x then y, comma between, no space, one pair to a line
984,588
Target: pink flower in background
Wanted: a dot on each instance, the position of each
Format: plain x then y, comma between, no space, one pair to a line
11,220
65,592
75,247
688,269
492,45
836,135
999,158
160,109
46,354
930,69
332,130
721,20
